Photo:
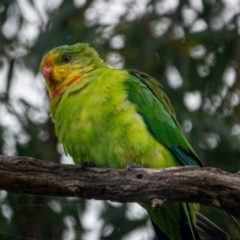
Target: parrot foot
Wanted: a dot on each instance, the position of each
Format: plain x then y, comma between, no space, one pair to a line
131,166
157,203
216,203
87,165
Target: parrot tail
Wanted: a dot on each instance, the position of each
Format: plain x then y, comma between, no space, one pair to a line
203,230
208,230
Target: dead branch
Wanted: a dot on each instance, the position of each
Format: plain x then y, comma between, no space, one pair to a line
208,186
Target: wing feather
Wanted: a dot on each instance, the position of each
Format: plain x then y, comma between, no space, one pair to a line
157,111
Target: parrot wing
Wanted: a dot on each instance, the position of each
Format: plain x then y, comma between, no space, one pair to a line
173,221
155,108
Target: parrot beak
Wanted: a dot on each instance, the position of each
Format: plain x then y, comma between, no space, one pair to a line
47,70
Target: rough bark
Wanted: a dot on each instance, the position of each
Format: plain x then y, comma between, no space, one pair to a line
208,186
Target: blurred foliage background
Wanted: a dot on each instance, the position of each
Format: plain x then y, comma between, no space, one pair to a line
191,46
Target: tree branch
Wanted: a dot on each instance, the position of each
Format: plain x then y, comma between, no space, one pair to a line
208,186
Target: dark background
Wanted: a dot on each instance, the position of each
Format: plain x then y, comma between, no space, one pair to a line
191,47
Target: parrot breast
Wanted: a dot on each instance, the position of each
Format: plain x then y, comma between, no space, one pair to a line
103,126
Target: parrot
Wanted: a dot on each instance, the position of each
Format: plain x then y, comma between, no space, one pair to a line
120,117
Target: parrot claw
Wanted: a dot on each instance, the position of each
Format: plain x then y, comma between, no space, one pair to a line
131,166
157,204
87,164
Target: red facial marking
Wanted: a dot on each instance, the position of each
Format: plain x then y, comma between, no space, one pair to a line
47,70
59,90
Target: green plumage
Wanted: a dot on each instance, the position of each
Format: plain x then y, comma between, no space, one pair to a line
114,117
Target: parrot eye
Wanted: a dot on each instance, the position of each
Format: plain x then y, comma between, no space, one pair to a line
66,58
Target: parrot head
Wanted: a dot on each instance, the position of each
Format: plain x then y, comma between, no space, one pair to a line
66,64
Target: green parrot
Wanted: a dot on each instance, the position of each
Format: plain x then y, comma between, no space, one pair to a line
114,117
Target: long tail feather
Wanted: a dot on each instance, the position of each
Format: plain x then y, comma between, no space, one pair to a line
209,228
190,231
159,234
